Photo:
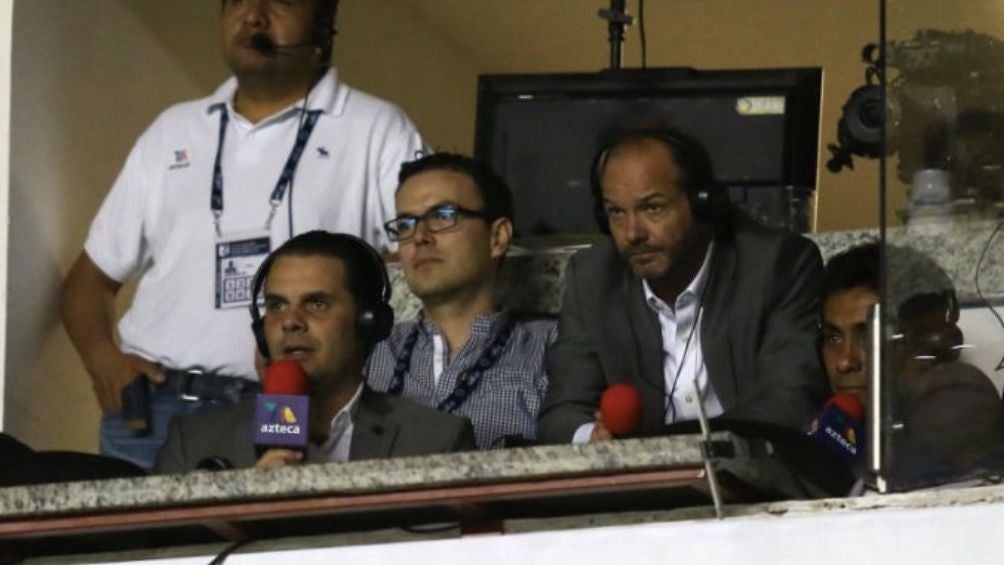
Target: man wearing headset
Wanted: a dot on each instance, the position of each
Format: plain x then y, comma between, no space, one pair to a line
949,410
208,190
464,355
326,306
691,302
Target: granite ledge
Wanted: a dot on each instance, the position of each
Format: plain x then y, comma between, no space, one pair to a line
533,279
936,498
361,477
952,495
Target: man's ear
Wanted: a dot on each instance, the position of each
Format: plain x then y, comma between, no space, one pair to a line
501,237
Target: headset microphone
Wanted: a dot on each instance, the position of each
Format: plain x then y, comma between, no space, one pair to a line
264,45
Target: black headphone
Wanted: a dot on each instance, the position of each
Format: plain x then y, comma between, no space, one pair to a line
324,27
374,315
703,191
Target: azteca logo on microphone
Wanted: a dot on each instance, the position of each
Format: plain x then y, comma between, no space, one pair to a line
838,433
848,440
283,420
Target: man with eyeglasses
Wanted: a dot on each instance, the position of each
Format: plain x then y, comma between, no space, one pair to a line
462,355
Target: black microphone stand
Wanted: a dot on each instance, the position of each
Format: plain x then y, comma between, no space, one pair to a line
617,18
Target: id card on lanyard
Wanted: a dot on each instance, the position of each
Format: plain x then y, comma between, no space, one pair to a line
239,255
237,260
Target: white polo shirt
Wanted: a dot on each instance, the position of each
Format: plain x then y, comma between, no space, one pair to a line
156,221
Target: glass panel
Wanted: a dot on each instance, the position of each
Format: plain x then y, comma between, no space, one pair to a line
943,193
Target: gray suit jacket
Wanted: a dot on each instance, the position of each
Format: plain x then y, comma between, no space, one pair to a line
758,334
384,426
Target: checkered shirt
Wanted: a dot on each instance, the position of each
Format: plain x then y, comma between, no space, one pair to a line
508,398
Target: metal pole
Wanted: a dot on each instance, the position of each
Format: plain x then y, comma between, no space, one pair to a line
876,398
617,18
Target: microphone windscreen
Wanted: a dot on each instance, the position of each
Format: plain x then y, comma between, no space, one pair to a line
620,409
840,426
850,405
285,377
282,409
261,42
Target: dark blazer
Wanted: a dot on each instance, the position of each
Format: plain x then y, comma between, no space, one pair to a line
384,426
758,333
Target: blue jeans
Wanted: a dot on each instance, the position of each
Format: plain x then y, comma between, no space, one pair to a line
118,440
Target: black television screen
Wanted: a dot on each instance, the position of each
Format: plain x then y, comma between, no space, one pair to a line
541,133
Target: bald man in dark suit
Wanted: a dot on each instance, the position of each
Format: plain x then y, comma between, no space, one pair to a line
691,301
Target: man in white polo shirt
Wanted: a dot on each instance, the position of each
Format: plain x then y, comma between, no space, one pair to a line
208,191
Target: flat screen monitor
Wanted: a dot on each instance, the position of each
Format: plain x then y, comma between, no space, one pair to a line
541,132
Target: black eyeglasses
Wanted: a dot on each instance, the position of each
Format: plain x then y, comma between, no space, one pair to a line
437,219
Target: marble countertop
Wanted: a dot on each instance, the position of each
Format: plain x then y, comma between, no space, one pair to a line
451,470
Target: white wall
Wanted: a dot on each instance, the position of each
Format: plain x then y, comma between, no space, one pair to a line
985,338
968,535
88,76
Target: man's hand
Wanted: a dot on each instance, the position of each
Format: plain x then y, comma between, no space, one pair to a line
87,305
111,371
600,432
276,458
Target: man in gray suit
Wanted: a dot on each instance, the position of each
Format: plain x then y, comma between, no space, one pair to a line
326,305
692,302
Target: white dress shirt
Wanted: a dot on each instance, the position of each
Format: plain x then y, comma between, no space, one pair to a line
339,441
684,372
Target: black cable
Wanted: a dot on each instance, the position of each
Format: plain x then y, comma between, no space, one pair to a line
979,291
686,346
668,396
228,550
641,34
292,176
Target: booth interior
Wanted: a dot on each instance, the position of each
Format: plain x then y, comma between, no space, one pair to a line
853,123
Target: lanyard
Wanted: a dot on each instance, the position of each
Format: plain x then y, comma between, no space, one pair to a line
285,179
468,380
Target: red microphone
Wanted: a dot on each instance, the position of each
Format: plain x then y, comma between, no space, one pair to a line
849,404
840,426
285,377
282,410
620,409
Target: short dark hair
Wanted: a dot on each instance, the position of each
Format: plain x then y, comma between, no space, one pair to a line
365,272
493,190
916,283
853,268
366,280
